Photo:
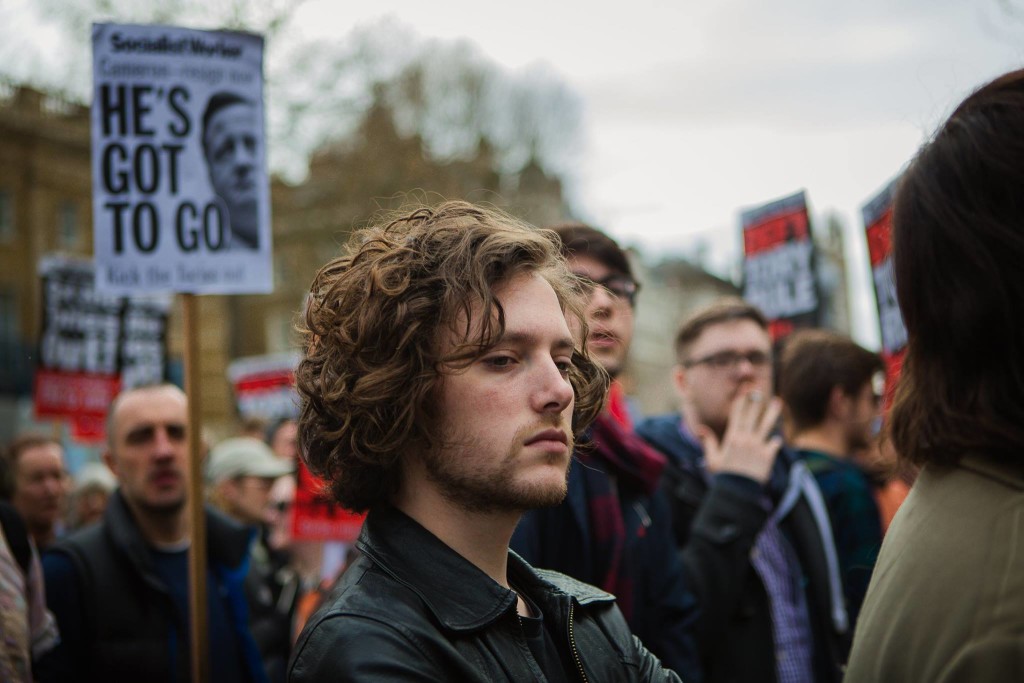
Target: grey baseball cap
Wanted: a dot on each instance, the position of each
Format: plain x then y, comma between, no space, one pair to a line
244,457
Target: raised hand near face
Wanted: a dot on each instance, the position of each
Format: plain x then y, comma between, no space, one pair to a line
747,447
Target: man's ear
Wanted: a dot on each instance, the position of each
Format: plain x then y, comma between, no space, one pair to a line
838,404
680,380
110,461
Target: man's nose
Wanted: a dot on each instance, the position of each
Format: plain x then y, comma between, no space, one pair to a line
162,441
54,485
556,393
600,303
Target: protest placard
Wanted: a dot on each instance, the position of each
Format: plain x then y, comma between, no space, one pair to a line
93,343
779,275
265,385
180,192
877,214
317,516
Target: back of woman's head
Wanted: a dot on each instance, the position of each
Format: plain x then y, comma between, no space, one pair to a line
958,250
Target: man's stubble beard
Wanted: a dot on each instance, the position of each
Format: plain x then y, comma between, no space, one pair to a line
493,492
168,509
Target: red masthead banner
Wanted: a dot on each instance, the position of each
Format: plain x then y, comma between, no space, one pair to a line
779,264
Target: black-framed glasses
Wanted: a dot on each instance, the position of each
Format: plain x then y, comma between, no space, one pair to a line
621,287
730,360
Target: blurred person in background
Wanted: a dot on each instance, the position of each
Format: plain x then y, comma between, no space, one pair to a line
749,518
890,477
120,589
27,628
282,435
831,389
613,529
240,473
37,485
252,427
946,602
94,484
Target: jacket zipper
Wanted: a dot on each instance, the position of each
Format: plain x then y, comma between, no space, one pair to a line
575,652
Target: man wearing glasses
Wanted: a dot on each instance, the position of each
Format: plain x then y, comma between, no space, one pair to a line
613,528
748,517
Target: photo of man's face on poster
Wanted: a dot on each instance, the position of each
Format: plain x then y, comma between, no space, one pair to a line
232,147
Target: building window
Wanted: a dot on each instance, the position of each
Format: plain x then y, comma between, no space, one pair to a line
6,216
67,225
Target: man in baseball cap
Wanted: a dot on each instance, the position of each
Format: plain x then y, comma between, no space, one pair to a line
240,473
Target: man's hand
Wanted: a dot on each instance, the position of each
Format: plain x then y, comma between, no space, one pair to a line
746,447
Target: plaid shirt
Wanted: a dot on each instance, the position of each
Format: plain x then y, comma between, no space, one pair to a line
778,567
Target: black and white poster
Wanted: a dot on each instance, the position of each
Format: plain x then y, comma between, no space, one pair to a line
779,269
93,344
180,188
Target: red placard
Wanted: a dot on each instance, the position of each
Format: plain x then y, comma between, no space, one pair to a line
316,516
62,394
877,215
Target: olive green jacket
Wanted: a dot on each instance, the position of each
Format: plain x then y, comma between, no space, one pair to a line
946,602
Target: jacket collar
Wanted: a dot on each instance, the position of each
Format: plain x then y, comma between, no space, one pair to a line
1009,473
460,595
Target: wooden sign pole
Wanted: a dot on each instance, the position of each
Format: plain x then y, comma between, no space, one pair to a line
197,521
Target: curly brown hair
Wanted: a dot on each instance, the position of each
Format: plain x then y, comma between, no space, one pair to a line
373,329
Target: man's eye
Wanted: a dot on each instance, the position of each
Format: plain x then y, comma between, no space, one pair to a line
564,366
500,361
139,436
226,148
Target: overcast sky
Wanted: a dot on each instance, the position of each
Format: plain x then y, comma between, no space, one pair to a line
696,110
693,111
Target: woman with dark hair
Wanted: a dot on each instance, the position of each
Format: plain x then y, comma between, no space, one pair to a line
947,599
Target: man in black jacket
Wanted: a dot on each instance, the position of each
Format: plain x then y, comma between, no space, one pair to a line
442,390
119,589
749,519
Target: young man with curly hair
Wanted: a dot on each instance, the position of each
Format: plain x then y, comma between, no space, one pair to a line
442,390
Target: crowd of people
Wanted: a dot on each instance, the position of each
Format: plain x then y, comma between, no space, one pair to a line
459,384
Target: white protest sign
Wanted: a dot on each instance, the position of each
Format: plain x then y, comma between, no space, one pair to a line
181,198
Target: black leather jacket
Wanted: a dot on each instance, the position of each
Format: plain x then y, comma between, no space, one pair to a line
412,609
